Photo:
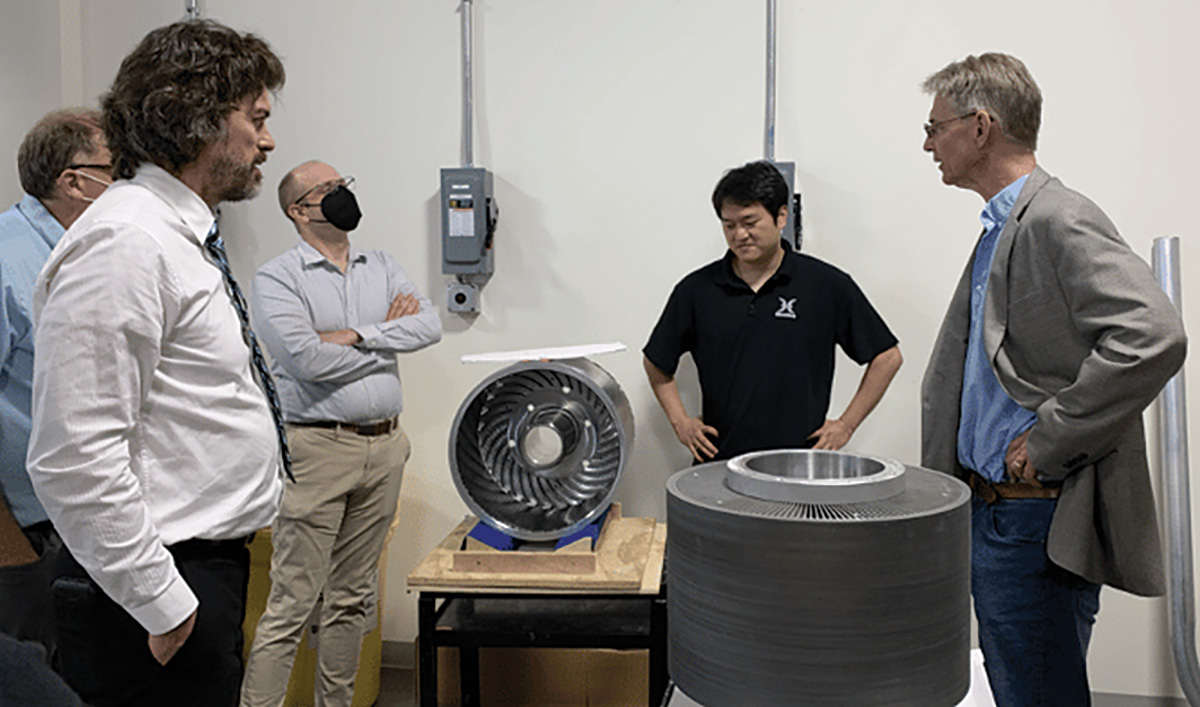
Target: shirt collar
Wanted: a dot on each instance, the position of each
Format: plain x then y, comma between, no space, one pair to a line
196,215
310,256
41,219
998,208
787,268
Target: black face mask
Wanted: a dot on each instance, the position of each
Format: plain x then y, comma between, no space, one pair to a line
340,209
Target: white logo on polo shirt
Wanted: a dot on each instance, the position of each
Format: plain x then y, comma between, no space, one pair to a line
786,309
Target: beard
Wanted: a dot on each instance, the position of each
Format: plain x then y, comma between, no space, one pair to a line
234,181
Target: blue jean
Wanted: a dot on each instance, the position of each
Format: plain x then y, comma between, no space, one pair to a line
1035,618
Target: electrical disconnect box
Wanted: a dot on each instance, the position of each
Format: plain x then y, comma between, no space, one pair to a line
469,215
794,231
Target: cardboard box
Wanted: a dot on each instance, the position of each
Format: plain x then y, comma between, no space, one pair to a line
554,677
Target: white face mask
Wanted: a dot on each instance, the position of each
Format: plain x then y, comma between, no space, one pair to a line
85,175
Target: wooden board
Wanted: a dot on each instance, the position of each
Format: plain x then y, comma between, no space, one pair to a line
628,557
519,562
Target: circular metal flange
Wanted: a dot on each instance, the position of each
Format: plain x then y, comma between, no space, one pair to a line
537,449
815,477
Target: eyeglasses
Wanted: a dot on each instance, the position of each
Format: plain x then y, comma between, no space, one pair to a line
107,168
324,188
931,128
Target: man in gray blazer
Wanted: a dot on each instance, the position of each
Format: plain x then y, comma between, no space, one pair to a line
1057,338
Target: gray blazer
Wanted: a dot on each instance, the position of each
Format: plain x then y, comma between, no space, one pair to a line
1077,330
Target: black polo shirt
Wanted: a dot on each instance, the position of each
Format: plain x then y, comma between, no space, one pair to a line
765,358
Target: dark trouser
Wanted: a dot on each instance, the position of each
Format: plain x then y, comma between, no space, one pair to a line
25,679
26,611
1035,618
104,652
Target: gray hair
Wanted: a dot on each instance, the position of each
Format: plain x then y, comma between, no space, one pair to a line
997,84
52,146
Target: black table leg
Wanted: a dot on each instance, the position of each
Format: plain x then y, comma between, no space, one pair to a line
427,654
658,649
468,675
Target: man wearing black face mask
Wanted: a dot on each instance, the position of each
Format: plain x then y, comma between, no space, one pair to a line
333,318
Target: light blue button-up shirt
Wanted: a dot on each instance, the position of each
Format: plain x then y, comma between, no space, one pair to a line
28,232
299,294
990,419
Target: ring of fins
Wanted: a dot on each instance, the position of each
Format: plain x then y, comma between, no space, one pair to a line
497,477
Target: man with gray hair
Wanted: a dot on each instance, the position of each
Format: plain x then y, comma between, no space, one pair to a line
1057,338
64,165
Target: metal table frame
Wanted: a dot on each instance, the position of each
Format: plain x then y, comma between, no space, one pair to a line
470,620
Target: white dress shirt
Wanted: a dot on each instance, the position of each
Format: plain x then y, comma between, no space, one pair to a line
148,425
299,294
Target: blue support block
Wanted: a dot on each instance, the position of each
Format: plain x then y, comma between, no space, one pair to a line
500,540
591,530
491,537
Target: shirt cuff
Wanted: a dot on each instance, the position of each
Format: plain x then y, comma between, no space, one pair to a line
169,610
372,336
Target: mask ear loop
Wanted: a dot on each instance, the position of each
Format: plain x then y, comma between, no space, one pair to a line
85,175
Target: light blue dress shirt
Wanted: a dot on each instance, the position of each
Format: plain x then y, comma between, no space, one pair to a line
28,232
299,294
990,419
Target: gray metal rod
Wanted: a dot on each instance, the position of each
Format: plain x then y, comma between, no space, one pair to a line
192,8
769,141
468,119
1173,452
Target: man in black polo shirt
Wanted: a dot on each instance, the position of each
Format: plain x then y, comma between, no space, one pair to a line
761,325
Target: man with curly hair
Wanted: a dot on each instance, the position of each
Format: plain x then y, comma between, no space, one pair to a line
154,446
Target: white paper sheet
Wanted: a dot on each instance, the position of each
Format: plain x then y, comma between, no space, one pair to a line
544,354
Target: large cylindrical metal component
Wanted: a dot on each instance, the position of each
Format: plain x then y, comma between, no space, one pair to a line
537,449
826,579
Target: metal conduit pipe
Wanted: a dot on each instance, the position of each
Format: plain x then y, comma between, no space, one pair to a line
1173,452
468,126
769,147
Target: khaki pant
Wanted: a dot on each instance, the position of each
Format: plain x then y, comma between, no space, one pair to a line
327,541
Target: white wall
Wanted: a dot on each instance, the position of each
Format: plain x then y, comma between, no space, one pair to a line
608,123
30,81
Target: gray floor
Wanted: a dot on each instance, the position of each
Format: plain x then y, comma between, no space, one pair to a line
1110,700
396,688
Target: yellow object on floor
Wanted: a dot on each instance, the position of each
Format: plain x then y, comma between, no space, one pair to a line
300,686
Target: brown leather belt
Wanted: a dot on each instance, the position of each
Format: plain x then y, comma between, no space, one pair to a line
991,491
368,429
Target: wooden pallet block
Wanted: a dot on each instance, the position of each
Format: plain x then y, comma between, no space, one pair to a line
620,562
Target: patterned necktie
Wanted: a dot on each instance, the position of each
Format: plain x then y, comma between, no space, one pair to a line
216,248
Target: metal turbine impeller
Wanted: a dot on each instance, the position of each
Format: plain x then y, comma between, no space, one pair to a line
537,449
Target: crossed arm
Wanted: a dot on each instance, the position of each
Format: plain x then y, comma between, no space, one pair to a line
402,306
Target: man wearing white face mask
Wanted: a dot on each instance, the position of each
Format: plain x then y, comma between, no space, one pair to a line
333,318
64,164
